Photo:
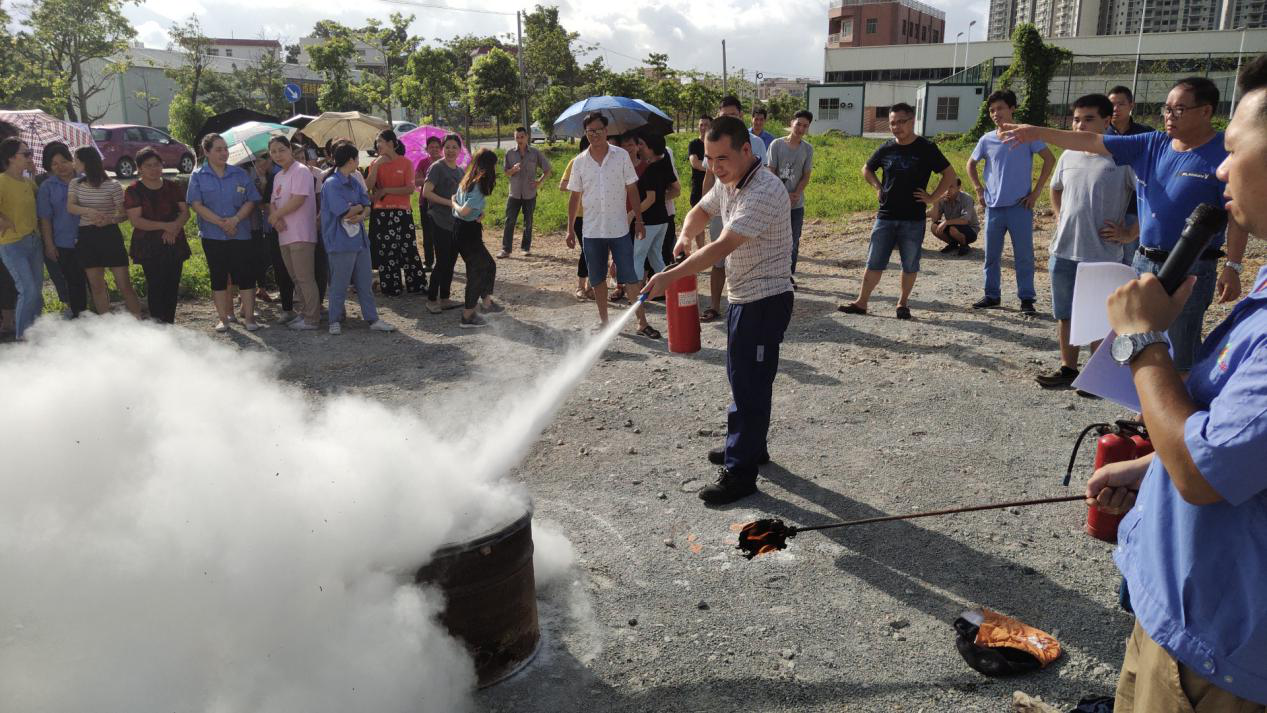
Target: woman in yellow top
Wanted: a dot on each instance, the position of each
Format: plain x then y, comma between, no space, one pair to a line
20,246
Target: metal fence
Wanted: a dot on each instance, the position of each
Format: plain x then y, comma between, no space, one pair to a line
1085,74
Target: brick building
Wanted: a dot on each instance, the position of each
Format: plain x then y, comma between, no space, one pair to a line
870,23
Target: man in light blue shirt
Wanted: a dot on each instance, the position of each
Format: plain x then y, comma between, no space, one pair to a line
1008,197
1193,548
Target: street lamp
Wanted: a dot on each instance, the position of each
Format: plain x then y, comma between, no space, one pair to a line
955,55
967,45
1139,42
1235,84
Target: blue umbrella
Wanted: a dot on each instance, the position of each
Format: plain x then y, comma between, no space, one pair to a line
622,114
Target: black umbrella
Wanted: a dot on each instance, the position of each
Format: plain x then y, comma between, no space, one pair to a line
230,119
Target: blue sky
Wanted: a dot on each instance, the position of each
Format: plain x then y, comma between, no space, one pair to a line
777,38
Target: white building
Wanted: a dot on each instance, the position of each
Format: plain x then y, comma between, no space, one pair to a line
249,50
896,73
367,56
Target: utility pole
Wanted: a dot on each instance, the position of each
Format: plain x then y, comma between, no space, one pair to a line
523,80
1232,109
1139,43
723,66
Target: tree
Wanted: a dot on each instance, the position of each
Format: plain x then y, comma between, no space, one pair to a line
659,63
193,46
552,102
74,33
629,83
461,49
258,85
1035,62
332,58
783,106
700,98
547,47
292,53
493,89
666,94
430,80
396,44
146,99
25,79
184,118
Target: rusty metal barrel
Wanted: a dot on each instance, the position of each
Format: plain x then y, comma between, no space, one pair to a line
491,597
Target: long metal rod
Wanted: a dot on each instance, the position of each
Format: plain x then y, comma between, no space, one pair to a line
912,516
1139,43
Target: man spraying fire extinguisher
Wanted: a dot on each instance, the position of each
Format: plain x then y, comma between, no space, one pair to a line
756,243
1193,548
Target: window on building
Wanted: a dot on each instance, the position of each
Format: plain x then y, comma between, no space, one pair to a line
228,52
214,52
882,112
828,109
872,25
923,33
936,38
948,108
846,30
904,27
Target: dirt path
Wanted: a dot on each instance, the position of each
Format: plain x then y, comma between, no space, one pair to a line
872,416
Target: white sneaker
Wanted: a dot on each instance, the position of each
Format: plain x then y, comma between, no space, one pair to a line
381,326
300,325
336,329
222,326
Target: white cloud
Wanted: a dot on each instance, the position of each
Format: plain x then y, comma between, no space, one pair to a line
152,34
778,39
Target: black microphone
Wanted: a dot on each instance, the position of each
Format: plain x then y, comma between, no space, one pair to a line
1205,222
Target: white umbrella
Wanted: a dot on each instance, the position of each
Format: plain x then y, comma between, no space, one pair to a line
360,129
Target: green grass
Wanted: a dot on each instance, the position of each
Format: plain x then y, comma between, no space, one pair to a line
836,190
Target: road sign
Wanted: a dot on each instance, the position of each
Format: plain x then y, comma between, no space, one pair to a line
292,93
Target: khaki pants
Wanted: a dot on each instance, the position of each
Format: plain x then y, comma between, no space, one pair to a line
299,259
1154,682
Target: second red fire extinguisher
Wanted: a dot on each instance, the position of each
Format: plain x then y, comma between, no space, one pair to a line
1120,441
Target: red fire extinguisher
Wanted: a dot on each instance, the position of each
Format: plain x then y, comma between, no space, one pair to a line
1119,441
681,304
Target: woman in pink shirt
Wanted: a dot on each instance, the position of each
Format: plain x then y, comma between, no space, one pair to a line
293,214
392,240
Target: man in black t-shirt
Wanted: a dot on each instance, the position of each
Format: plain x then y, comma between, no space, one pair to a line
696,153
906,161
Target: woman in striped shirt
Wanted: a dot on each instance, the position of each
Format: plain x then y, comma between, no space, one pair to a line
98,201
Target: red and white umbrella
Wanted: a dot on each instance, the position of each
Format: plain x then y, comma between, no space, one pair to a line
37,129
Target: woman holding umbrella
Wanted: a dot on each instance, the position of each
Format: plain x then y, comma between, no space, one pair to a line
98,201
390,184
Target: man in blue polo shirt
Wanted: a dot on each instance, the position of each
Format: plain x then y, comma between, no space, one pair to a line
1194,546
1175,173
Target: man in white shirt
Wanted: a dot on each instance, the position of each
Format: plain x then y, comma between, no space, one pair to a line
603,179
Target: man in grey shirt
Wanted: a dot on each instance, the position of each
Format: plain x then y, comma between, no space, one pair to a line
792,160
1091,195
527,169
955,220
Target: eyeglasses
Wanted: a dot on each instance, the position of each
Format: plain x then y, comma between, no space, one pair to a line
595,132
1177,111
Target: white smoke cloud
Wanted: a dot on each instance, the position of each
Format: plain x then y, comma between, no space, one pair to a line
180,531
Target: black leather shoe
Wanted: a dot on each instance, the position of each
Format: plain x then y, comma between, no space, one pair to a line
985,303
1027,307
717,456
728,488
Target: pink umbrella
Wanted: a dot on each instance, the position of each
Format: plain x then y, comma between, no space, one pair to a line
37,129
415,142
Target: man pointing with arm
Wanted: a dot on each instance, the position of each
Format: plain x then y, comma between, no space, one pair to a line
1176,171
756,243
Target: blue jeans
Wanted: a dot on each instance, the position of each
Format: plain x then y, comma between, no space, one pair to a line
906,235
621,251
650,248
1063,275
1018,221
25,262
1185,333
798,220
351,268
755,330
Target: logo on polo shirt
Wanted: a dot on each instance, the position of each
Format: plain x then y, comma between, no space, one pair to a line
1194,174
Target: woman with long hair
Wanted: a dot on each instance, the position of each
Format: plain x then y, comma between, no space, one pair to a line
21,249
223,197
442,182
468,237
98,201
344,205
158,211
293,214
391,183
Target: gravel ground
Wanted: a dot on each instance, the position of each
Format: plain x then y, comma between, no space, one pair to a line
872,416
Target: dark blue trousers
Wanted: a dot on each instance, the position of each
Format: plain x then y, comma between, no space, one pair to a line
752,361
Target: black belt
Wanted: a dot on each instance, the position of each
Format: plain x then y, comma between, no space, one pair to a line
1161,255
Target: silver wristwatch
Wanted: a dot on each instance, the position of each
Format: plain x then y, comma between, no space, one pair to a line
1234,266
1128,346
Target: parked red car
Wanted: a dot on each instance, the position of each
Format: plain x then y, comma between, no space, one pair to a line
119,144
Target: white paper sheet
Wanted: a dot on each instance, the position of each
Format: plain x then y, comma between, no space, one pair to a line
1096,281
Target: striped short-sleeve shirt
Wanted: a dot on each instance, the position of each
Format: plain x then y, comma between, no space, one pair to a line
757,208
107,198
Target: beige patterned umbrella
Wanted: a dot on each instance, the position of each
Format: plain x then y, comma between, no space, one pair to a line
37,129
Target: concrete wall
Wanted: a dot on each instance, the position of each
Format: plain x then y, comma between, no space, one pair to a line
848,101
968,98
